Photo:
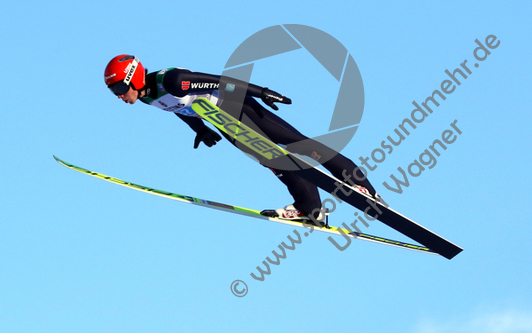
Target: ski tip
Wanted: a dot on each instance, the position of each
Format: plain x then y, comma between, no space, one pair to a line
60,161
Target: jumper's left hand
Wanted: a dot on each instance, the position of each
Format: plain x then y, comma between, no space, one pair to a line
208,137
269,97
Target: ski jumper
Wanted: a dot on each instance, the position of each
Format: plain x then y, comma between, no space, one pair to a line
174,90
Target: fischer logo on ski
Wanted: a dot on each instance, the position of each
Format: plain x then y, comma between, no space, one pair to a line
237,130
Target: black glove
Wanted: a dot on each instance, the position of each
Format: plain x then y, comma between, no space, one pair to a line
207,136
269,97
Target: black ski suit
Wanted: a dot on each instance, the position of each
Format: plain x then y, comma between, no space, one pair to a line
174,90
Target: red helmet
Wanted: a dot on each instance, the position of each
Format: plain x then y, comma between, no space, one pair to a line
122,71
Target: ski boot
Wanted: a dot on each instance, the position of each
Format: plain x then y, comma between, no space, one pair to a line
291,213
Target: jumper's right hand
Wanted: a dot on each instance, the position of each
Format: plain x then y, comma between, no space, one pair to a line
207,136
269,97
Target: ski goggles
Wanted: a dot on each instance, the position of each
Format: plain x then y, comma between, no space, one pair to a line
119,88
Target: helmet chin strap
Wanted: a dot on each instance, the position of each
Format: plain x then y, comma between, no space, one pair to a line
142,93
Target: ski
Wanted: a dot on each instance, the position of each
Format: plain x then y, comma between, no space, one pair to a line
245,211
372,209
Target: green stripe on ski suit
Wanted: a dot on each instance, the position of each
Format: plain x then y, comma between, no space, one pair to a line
237,130
159,86
242,210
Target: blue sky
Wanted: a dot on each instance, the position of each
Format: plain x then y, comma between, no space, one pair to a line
81,255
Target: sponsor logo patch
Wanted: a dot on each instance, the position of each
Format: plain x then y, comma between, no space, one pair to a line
230,87
128,68
204,85
173,108
315,156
